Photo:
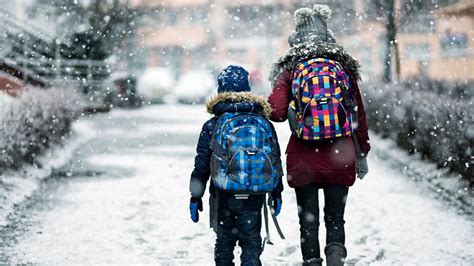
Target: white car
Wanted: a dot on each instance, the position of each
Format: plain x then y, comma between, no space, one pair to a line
195,86
155,84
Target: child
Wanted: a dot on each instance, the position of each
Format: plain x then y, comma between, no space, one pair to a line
239,149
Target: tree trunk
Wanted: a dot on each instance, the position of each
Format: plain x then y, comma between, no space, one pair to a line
390,42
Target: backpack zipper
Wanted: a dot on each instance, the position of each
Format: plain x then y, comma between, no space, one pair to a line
235,153
329,97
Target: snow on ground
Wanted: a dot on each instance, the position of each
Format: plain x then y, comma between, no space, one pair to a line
124,199
18,185
6,100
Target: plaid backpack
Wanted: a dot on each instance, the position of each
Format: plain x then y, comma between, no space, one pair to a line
321,107
245,154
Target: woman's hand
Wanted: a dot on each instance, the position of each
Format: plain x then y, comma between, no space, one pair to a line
361,167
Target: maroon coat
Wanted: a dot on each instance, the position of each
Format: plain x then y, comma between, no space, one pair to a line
321,162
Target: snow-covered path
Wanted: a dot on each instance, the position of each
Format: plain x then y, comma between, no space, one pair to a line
124,200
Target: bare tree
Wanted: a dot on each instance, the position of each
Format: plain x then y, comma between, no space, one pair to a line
107,23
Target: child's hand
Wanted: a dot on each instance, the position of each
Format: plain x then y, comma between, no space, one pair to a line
195,206
277,202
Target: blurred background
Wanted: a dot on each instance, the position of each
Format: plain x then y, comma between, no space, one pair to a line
101,103
90,43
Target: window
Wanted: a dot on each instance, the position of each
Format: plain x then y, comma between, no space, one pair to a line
454,44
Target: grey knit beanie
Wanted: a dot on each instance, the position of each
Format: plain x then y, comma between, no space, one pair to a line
311,25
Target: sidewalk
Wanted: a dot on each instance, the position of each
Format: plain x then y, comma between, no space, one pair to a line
123,199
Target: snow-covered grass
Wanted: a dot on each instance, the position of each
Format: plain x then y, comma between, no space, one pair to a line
446,185
17,185
34,121
6,99
437,125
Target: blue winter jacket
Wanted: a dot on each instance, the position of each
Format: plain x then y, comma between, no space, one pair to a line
222,103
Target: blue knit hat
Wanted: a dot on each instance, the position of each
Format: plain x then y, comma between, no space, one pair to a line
233,79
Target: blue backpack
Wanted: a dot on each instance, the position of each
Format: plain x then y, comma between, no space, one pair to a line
245,154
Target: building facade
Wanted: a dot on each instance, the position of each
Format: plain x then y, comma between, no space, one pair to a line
435,41
187,34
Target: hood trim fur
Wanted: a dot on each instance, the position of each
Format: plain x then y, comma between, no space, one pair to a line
312,49
239,97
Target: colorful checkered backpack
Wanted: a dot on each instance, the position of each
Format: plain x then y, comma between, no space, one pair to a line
321,107
245,154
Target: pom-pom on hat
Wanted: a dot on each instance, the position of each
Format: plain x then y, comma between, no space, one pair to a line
311,24
233,79
322,11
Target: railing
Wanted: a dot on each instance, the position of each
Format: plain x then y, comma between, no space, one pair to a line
38,55
16,23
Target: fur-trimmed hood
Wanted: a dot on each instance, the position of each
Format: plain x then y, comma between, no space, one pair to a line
312,49
238,102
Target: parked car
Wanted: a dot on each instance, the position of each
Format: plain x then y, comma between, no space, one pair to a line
125,93
155,84
195,87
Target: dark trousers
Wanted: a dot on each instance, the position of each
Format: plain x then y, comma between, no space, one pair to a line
238,220
308,211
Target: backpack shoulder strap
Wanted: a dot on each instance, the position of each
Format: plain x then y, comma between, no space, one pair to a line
350,105
217,135
274,218
266,205
267,239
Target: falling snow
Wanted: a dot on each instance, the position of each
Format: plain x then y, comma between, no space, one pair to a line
101,103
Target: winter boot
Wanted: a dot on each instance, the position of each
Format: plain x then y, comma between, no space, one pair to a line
313,262
335,254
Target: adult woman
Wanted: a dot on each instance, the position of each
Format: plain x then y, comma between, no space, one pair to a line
328,164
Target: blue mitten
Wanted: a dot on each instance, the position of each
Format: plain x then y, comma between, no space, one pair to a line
277,202
195,206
